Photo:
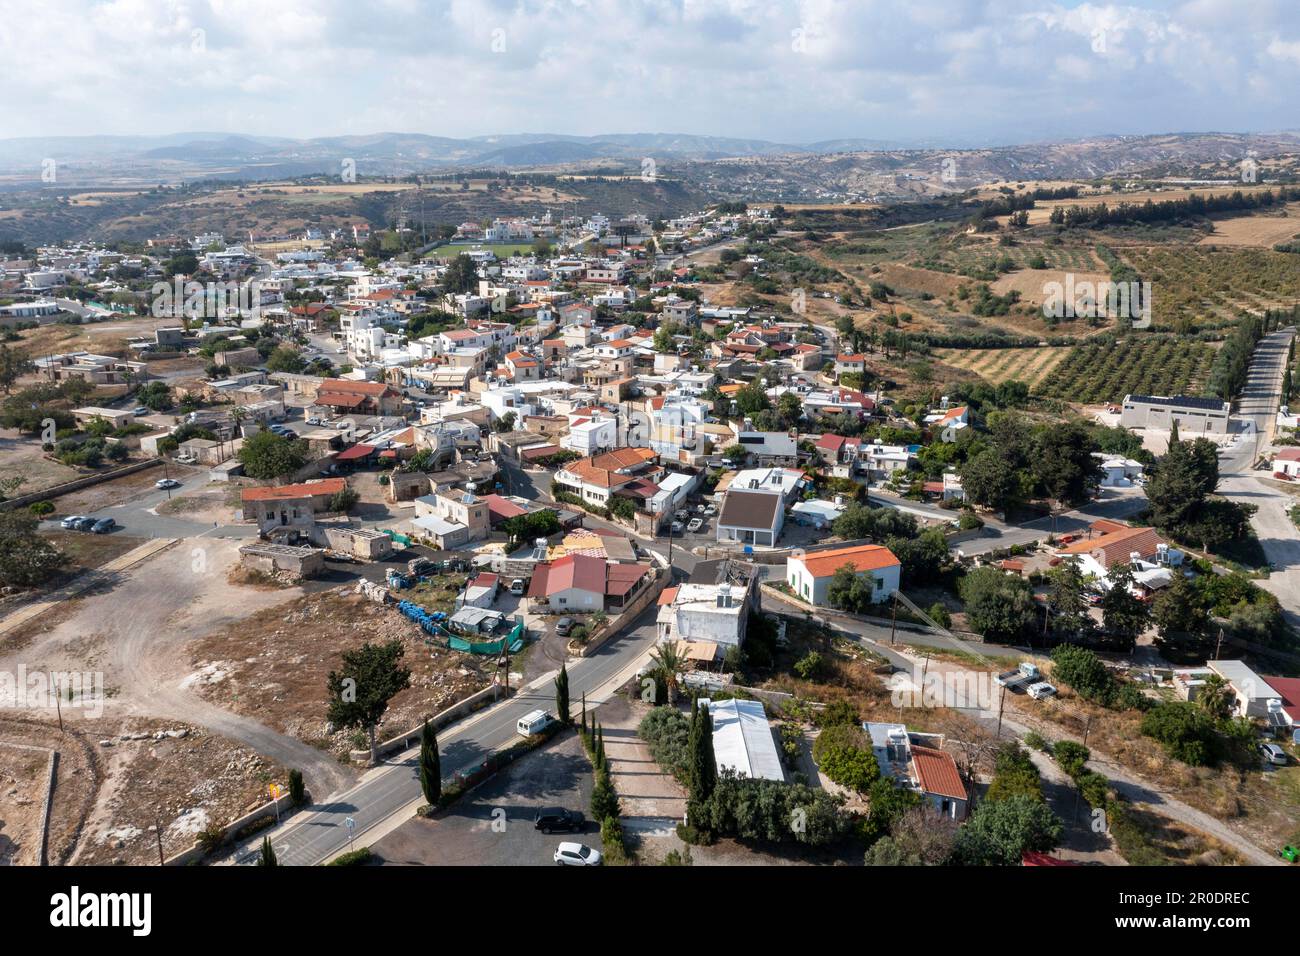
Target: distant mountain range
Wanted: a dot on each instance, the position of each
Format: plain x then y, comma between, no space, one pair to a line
856,165
390,152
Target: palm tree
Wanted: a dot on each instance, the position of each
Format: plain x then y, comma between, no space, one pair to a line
1216,697
668,663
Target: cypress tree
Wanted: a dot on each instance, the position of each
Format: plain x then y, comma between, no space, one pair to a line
430,765
268,854
562,696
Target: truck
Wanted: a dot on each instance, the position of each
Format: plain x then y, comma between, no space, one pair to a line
1020,678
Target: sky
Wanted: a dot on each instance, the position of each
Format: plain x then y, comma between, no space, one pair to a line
957,72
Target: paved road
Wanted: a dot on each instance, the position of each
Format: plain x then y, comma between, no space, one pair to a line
1239,481
390,793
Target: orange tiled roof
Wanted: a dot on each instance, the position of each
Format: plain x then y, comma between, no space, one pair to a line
863,557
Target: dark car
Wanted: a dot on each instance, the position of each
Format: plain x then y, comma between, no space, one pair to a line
550,819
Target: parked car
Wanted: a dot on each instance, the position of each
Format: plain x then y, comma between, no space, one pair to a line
517,586
313,421
710,510
85,524
1273,754
576,854
550,819
1041,690
682,515
563,626
103,526
533,722
71,522
675,527
140,410
695,525
162,484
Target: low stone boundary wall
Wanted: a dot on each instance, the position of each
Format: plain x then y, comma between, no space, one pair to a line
462,708
76,484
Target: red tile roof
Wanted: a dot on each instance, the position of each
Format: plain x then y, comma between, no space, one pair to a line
937,772
1289,688
307,489
863,557
578,571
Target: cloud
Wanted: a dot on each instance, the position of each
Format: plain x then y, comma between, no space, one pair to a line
785,70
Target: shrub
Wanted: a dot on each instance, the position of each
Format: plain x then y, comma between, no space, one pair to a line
41,508
810,665
1082,670
1185,730
297,789
352,858
211,837
611,838
845,756
1071,756
667,731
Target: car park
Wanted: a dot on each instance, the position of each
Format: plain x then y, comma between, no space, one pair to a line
550,819
71,522
675,527
576,854
162,484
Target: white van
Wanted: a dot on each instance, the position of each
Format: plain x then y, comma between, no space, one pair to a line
533,723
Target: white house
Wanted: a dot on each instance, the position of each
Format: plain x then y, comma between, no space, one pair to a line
703,613
589,436
809,573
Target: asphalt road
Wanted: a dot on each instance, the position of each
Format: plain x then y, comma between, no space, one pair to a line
391,792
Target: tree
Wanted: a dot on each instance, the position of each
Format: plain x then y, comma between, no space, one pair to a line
604,799
430,765
156,396
845,756
528,527
267,856
1180,617
752,398
267,455
1067,601
999,606
297,790
343,500
13,366
1000,832
506,423
562,696
1123,615
1014,775
372,676
461,275
990,483
666,664
1081,669
703,768
1062,464
286,359
1216,697
1184,729
26,559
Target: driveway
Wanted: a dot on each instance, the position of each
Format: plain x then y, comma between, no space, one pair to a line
493,824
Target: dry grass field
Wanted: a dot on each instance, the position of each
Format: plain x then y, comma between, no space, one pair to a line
1263,230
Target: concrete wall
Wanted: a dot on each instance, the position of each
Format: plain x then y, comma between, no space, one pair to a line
475,701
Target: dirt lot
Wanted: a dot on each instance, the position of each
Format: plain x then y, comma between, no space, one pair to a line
274,664
21,457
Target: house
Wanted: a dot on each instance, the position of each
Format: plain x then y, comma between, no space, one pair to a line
452,518
347,397
850,364
713,614
1109,542
575,582
1117,471
589,436
1253,696
918,762
751,517
596,478
809,573
742,739
1209,415
1286,461
1287,711
289,506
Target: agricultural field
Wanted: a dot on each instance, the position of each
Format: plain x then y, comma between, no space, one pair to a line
1261,231
995,366
1109,369
1195,286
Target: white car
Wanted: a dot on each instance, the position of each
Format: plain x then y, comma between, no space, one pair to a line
576,854
1041,690
162,484
1273,754
695,525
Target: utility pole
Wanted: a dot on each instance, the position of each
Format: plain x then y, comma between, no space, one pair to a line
893,621
1002,698
58,707
157,831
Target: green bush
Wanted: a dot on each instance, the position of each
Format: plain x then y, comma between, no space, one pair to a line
844,754
352,858
1185,730
41,508
1071,757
